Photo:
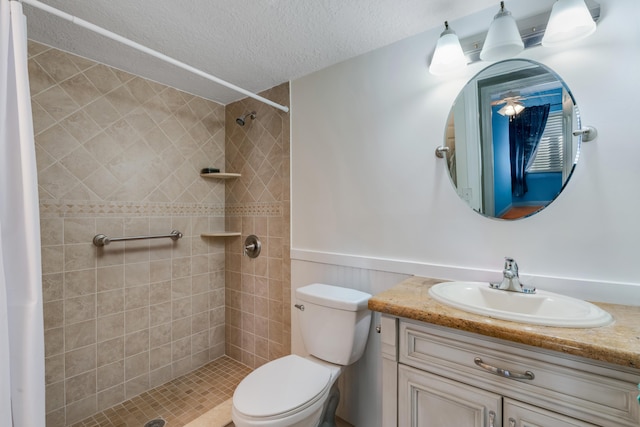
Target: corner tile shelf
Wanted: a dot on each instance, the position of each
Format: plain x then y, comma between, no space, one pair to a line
221,175
221,234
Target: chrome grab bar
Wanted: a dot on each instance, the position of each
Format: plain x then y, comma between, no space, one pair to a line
527,375
102,240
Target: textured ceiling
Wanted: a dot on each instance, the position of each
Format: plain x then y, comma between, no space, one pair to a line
254,44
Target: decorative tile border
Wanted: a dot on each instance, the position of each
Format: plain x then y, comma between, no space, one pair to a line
53,208
255,209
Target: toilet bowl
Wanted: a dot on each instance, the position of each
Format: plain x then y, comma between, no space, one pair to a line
295,391
291,391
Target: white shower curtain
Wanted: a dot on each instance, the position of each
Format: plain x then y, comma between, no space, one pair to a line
21,325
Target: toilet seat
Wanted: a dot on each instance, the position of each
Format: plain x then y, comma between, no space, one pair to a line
281,387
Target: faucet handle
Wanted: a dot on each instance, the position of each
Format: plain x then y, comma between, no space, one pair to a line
511,279
510,264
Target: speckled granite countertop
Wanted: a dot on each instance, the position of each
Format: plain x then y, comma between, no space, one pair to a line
618,343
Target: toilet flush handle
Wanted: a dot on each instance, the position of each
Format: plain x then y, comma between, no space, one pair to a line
299,307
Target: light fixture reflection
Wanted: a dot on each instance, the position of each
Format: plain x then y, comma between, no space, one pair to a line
448,56
570,20
503,40
511,109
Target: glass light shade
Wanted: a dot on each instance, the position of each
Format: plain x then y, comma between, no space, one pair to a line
570,20
511,109
503,39
448,56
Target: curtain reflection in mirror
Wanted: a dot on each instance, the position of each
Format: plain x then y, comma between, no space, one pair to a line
525,132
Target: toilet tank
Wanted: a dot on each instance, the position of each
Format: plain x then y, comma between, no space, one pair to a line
334,322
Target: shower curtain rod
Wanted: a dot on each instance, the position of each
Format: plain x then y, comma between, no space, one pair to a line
137,46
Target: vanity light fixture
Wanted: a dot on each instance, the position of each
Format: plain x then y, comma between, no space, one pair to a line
570,20
448,56
503,39
577,20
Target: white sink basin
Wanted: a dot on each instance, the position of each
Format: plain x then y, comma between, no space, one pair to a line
541,308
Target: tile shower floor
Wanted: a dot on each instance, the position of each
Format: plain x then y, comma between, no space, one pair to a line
179,401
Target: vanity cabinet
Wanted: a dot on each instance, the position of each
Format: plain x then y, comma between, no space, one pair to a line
430,400
437,376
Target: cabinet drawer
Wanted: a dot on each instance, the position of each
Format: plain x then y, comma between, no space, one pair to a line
592,392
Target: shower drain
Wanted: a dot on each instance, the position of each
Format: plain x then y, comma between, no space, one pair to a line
156,423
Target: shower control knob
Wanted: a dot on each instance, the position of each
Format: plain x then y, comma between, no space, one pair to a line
252,246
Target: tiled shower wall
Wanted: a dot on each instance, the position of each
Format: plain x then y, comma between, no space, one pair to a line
121,155
258,301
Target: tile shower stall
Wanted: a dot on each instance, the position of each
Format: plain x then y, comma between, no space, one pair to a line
120,155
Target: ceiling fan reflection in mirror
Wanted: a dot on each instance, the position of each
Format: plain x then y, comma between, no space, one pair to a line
512,104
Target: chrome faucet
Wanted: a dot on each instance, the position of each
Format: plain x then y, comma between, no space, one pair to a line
511,279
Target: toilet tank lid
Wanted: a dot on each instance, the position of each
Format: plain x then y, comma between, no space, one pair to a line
334,296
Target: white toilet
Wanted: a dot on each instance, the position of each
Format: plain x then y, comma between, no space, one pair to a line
296,391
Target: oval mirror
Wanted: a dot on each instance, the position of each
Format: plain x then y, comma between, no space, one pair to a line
511,150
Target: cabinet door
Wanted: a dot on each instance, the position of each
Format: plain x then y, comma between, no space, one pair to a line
518,414
427,400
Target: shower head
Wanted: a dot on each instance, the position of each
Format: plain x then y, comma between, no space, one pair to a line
241,120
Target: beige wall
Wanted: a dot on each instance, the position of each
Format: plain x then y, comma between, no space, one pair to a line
258,301
120,155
